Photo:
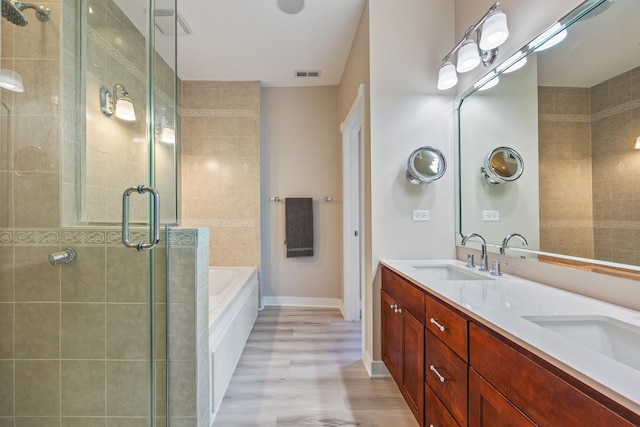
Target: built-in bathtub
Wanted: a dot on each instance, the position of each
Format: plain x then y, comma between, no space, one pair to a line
233,308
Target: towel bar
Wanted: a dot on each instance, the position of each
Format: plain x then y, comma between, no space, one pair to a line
321,199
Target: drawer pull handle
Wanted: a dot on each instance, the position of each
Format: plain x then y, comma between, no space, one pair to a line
435,322
391,306
398,310
435,371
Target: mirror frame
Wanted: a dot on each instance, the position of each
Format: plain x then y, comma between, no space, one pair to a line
600,266
416,177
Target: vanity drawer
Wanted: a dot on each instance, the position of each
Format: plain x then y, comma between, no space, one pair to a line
447,325
435,413
407,295
541,394
446,374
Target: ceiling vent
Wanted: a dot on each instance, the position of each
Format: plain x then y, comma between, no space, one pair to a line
314,73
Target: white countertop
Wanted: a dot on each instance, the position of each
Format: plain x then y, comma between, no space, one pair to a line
500,303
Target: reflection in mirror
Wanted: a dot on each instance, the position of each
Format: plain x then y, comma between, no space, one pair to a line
425,164
501,165
574,106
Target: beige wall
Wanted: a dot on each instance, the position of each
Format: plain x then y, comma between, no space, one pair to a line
220,167
302,158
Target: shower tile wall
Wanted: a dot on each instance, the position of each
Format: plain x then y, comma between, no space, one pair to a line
615,108
587,148
564,135
74,339
220,167
190,405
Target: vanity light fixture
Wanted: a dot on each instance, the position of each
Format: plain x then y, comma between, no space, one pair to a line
11,80
120,105
491,31
638,143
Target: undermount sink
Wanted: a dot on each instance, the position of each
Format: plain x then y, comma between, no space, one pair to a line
610,337
448,272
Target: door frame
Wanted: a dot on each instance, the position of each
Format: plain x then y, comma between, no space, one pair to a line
353,137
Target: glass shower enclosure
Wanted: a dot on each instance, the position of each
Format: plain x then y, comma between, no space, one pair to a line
87,111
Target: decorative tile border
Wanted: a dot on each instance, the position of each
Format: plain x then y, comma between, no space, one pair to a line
625,225
562,223
232,223
178,237
186,112
30,237
581,118
586,118
70,236
616,110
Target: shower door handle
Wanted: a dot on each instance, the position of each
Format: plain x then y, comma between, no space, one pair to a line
155,208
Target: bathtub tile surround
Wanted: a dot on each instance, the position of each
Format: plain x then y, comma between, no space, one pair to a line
189,402
220,164
303,367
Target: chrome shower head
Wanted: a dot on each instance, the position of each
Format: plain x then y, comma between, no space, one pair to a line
13,11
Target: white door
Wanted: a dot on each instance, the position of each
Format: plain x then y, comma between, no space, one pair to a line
352,234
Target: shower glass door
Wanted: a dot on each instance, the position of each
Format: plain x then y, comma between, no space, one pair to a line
85,87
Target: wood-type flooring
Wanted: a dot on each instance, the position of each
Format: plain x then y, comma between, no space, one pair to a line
302,367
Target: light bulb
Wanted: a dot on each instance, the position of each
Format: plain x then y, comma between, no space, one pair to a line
447,77
468,57
124,109
494,31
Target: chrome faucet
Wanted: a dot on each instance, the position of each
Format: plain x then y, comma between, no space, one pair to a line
484,260
505,241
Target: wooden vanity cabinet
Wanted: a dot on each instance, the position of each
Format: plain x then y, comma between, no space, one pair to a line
446,354
403,338
507,382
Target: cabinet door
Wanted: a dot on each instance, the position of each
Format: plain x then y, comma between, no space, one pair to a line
435,413
413,364
391,336
489,408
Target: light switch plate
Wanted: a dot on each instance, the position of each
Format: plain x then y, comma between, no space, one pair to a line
420,215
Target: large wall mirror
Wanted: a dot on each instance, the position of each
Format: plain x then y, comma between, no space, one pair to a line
572,111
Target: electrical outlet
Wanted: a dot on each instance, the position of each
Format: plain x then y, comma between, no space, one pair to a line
420,215
491,215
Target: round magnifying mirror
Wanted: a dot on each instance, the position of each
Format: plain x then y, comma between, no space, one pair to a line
425,164
501,165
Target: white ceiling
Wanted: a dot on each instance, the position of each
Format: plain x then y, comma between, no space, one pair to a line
254,40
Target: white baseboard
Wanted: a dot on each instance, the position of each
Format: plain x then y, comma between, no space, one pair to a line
375,368
269,301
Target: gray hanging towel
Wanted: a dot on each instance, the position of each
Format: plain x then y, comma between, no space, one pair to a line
299,227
